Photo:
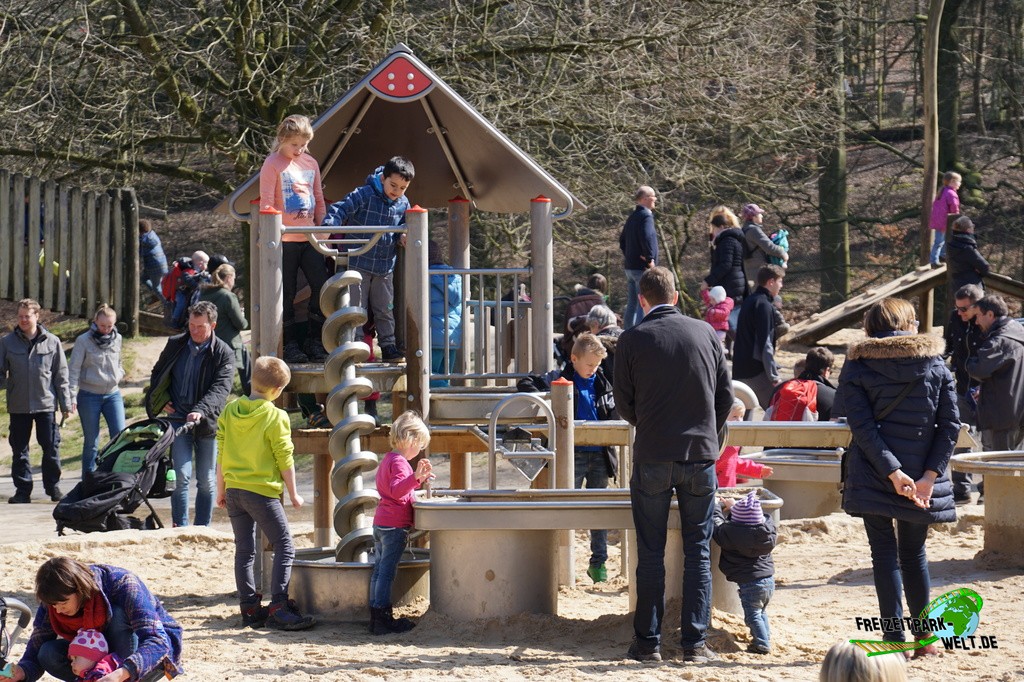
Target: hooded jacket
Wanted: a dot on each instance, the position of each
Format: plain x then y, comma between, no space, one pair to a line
216,376
34,372
368,205
758,247
254,443
918,435
746,550
445,308
727,264
93,368
966,265
999,366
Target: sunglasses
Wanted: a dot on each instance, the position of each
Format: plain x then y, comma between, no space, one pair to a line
963,308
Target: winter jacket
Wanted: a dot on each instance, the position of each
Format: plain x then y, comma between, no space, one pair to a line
826,394
368,205
34,372
946,203
727,264
758,247
604,400
638,241
445,314
579,305
965,264
216,377
754,349
159,635
962,342
609,338
918,435
717,314
254,444
396,484
730,465
151,253
671,382
999,366
746,550
230,318
93,368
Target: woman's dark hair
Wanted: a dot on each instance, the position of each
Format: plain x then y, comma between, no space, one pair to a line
61,577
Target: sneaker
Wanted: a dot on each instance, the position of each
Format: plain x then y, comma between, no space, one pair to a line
391,353
318,420
598,573
285,615
701,654
293,354
758,648
639,651
19,498
254,615
315,350
56,495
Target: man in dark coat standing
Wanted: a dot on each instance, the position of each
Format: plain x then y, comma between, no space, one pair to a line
639,245
753,355
999,366
963,336
671,382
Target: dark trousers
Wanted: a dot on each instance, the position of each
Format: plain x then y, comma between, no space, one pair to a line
900,566
651,489
48,438
296,256
248,512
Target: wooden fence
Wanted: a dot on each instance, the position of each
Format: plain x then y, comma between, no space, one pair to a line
69,249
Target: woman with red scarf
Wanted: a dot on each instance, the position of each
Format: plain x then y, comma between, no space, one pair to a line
114,601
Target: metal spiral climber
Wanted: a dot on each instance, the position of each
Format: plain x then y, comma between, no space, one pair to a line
353,512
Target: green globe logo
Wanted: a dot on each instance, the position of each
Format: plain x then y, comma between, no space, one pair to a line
959,609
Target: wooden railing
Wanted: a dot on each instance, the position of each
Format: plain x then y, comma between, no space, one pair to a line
69,249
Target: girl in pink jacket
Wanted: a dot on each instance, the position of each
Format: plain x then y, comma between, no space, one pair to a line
717,311
946,204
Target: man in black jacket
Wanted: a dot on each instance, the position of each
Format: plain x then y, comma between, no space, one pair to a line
963,336
639,245
671,382
190,382
999,366
753,355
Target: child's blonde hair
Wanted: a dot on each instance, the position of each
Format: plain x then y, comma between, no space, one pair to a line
738,406
408,428
949,177
588,343
269,373
295,125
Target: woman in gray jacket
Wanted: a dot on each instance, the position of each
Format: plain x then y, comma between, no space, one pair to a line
94,374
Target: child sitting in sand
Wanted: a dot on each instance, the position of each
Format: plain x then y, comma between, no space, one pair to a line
747,537
393,520
730,463
90,656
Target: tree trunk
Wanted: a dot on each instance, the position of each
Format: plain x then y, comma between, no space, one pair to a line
930,153
834,235
948,86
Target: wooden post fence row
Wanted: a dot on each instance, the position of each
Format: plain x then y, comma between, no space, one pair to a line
69,249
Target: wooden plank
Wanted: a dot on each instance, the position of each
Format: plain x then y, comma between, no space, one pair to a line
49,244
118,253
76,256
132,271
104,250
32,239
63,249
89,291
6,230
18,237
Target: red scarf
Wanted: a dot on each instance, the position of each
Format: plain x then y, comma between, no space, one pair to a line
92,616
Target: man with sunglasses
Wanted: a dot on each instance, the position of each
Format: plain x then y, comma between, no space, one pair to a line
963,336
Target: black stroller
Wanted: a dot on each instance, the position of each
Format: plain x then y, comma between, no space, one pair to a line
130,469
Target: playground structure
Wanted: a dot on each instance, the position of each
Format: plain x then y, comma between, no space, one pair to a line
1004,488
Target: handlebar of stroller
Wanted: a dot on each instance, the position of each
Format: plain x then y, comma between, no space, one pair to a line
184,428
25,617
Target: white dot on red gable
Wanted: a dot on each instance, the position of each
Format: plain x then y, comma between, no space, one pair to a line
391,76
391,86
410,75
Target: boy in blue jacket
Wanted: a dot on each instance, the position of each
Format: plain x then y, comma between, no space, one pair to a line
381,201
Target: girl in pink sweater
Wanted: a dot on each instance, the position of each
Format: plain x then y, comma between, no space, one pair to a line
396,483
730,463
946,204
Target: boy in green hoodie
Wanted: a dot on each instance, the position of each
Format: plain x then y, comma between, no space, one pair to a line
254,439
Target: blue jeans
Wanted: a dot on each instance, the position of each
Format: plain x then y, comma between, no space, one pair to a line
388,545
634,313
90,407
53,655
755,596
900,565
437,358
650,490
593,467
206,476
938,248
180,305
249,511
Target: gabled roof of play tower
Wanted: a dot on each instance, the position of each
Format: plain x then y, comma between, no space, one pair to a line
401,108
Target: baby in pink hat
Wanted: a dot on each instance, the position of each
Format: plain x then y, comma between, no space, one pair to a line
90,656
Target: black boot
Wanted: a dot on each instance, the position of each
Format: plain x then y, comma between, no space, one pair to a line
254,614
397,625
378,622
370,407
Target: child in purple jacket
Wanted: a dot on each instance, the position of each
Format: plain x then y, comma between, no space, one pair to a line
946,204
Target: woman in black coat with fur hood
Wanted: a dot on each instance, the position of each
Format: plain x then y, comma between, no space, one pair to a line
899,400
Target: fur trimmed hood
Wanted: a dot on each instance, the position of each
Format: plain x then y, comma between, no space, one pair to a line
897,347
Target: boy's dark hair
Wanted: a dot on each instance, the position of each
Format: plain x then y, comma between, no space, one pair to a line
401,166
972,292
818,360
769,272
145,225
993,303
597,282
658,286
61,577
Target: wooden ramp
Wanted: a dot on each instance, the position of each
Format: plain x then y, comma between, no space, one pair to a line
850,312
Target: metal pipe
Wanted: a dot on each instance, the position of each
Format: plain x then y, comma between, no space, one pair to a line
492,437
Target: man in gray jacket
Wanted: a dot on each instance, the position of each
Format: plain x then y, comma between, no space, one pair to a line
34,371
999,366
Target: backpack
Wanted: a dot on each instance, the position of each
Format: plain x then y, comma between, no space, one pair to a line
795,401
173,279
780,239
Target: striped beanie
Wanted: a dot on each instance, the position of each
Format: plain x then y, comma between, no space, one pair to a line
747,511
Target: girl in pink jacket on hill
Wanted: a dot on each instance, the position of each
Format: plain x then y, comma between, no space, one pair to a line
946,204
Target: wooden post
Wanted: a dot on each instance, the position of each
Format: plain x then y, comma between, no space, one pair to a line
542,285
132,272
254,277
930,153
32,270
458,253
417,313
91,246
565,464
104,247
6,234
270,304
49,245
18,236
76,259
63,249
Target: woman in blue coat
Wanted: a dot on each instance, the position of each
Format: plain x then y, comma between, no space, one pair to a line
900,402
445,315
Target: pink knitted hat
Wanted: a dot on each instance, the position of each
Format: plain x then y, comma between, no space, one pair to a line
89,644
